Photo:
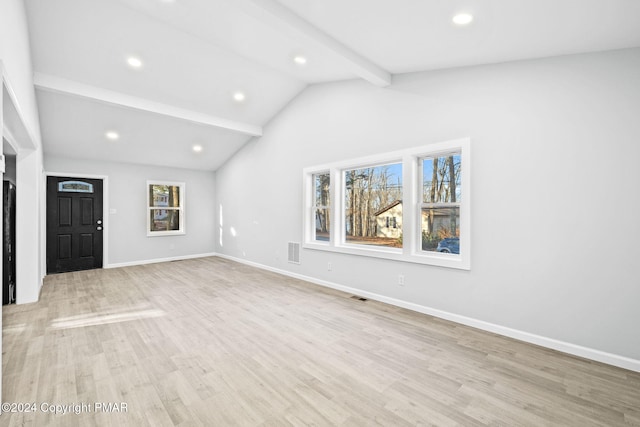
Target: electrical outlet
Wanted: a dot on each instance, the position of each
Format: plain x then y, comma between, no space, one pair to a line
329,266
401,279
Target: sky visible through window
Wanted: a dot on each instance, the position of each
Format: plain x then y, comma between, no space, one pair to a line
394,172
442,178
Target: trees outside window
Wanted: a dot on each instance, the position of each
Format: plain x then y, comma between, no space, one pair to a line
441,197
165,208
322,206
368,191
411,205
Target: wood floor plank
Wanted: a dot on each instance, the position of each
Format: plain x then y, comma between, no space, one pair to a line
210,342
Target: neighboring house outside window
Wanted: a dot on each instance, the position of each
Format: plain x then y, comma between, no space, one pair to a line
389,220
160,199
165,206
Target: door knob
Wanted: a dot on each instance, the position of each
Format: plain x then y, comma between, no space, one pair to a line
99,222
99,228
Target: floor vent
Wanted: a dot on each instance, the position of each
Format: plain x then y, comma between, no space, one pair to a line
293,254
359,298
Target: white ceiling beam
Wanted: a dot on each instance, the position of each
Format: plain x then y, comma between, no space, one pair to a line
277,14
59,85
12,120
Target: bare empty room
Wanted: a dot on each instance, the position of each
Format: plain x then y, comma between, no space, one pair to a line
329,213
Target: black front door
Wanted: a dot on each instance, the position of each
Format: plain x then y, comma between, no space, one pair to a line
74,224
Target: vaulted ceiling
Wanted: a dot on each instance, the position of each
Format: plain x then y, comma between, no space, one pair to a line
199,58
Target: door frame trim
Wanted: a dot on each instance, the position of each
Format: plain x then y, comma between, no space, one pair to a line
105,206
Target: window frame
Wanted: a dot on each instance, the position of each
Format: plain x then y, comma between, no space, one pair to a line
411,251
181,209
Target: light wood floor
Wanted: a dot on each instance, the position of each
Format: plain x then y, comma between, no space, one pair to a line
210,342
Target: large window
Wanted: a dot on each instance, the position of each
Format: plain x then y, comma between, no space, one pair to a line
165,208
411,205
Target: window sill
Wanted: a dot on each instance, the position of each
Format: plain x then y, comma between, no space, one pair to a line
165,233
426,258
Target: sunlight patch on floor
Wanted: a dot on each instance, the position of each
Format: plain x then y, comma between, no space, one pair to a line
93,319
14,329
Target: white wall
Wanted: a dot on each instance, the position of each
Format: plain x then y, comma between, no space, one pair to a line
17,75
555,210
127,239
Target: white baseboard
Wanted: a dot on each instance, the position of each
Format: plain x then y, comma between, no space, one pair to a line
565,347
157,260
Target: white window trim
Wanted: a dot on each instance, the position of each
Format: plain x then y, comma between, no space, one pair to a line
182,229
412,201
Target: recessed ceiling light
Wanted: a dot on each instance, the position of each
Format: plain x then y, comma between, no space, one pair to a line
462,19
134,62
300,60
111,135
239,96
197,148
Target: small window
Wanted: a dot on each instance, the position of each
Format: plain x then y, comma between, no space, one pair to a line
165,208
75,187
